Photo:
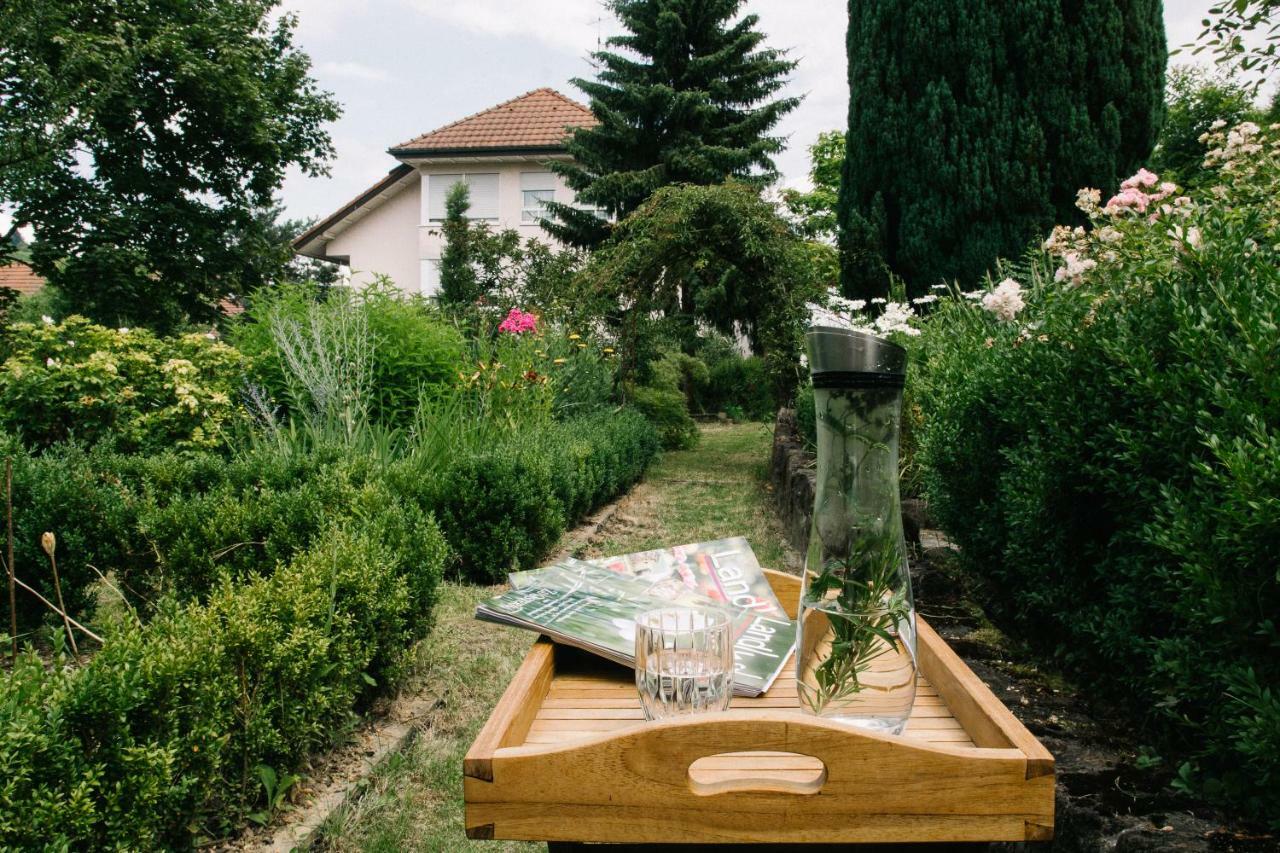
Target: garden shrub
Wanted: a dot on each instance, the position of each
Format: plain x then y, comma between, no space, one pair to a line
265,508
158,739
76,495
503,507
78,380
1107,460
370,353
742,383
664,397
498,509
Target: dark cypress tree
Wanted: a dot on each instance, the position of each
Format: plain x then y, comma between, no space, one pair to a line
688,102
972,124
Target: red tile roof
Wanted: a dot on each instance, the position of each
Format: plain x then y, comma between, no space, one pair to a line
20,277
540,119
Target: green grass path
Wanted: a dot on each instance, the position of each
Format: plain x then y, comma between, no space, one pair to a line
414,802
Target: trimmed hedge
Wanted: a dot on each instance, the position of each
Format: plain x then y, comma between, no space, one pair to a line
160,739
157,740
78,495
504,507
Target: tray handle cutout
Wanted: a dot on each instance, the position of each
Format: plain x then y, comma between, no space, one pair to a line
751,772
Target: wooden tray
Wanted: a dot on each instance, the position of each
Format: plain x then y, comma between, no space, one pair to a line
567,756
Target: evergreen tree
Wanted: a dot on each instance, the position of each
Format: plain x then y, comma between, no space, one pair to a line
457,273
972,124
689,102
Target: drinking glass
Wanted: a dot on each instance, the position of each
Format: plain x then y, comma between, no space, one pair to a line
684,661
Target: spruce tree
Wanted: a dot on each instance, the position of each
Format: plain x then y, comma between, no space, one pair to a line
688,101
972,124
457,274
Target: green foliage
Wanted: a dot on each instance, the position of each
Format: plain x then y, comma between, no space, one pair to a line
458,287
1230,33
689,102
143,143
815,210
1109,467
77,495
78,380
971,126
156,741
48,301
721,255
668,411
503,506
734,382
355,357
1195,99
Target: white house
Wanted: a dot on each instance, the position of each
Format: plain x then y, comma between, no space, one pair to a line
393,228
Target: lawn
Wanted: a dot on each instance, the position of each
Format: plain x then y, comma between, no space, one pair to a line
414,801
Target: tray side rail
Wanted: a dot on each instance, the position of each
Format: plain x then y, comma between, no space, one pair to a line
511,718
635,786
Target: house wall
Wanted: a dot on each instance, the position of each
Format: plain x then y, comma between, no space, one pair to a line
384,241
510,202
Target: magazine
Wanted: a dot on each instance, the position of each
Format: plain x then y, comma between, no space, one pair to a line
725,570
593,606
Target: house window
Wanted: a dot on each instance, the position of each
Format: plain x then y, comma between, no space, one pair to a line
430,277
483,195
536,189
534,206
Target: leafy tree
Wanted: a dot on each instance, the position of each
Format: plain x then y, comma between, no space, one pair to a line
815,210
1226,27
689,102
972,124
1196,99
716,255
458,285
144,139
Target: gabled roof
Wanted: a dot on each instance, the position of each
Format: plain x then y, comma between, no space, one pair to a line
536,121
389,184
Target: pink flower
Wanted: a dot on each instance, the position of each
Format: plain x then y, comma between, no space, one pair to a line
1129,197
1142,179
518,322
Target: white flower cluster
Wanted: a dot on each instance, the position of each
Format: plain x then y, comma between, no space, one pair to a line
846,314
1240,141
1074,266
1005,301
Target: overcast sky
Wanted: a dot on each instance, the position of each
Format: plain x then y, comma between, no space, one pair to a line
403,67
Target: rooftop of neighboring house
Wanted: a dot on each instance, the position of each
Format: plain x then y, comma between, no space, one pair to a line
18,276
537,122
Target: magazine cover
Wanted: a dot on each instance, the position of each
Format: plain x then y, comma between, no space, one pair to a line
763,635
725,570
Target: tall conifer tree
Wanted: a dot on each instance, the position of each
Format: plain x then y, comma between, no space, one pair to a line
972,124
688,101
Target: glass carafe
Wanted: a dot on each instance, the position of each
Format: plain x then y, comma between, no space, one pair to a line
856,653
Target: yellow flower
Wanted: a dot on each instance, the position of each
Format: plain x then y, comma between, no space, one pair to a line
558,361
608,350
575,337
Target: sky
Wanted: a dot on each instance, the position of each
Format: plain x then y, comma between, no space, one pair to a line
404,67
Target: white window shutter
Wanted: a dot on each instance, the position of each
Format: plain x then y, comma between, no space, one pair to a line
484,196
438,187
537,181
